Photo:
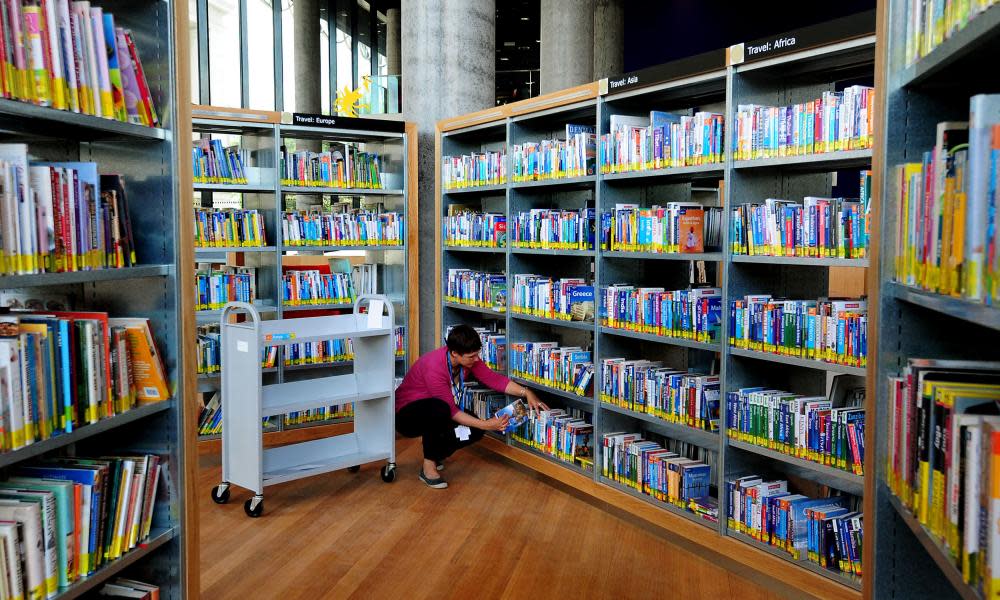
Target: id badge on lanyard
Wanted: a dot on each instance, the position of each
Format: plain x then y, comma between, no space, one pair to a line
456,388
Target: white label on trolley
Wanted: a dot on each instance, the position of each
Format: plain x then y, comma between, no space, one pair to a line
375,314
242,347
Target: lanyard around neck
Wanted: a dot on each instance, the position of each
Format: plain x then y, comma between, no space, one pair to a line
456,389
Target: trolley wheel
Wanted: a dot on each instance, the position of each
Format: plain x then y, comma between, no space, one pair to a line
254,507
389,473
220,493
354,469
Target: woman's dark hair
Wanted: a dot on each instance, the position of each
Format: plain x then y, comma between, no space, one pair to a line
463,339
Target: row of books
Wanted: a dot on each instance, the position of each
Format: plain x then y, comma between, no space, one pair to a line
474,170
481,401
807,427
357,228
469,228
833,331
475,288
676,227
693,314
827,531
61,216
564,434
219,228
60,370
304,353
214,163
835,121
315,415
548,228
648,387
946,240
814,228
130,588
494,346
306,287
574,156
343,166
943,459
655,470
929,24
216,285
69,55
567,299
663,140
210,418
567,368
62,519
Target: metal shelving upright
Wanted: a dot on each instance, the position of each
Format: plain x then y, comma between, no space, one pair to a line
268,132
913,323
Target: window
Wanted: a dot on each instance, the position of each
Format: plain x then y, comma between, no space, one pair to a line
260,54
224,52
193,39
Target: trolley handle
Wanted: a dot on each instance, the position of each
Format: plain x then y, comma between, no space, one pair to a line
385,302
232,308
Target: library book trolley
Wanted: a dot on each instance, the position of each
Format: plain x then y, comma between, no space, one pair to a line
245,401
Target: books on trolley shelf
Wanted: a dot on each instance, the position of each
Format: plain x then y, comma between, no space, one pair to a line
567,368
63,519
556,229
309,286
574,156
130,588
833,122
563,434
943,459
693,314
828,330
61,216
567,299
475,288
827,531
64,369
215,285
946,238
353,228
648,387
929,24
233,227
470,228
673,472
210,417
823,429
69,55
814,228
214,163
315,415
342,165
474,170
662,140
675,227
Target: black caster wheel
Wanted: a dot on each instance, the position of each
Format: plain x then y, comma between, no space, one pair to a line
389,473
354,469
220,493
254,507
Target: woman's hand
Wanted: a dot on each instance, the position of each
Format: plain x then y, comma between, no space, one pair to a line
533,402
496,423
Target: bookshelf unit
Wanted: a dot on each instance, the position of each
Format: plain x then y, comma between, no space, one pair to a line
713,86
265,133
155,171
912,322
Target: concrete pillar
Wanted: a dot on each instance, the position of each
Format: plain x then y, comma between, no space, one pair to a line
609,38
567,47
308,97
394,60
448,51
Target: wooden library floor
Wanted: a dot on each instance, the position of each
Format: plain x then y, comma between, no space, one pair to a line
497,532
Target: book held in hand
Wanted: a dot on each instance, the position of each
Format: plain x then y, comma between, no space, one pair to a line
518,413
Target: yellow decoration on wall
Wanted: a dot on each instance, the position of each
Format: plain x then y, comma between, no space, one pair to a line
348,101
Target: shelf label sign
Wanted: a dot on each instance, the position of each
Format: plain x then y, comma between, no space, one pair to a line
349,123
837,30
278,337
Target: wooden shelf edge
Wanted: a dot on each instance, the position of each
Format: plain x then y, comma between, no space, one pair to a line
273,439
771,571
